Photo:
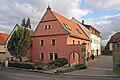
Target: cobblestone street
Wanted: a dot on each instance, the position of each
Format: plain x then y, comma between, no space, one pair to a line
99,66
103,62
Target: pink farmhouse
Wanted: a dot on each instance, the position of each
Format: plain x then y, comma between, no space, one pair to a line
58,37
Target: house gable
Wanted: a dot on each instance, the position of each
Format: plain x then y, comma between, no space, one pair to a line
49,20
48,16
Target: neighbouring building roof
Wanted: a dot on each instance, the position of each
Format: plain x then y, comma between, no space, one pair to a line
70,26
114,38
3,37
82,26
89,26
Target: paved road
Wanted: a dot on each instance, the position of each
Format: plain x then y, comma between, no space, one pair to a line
24,75
103,62
99,66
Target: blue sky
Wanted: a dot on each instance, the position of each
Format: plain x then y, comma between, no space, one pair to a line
104,15
97,14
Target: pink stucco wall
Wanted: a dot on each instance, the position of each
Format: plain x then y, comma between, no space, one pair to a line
61,48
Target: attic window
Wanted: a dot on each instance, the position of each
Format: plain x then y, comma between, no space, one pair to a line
78,31
68,27
47,26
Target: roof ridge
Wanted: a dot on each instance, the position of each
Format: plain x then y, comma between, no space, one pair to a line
59,14
63,16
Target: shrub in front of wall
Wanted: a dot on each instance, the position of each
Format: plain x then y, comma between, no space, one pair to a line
24,65
118,66
60,62
80,66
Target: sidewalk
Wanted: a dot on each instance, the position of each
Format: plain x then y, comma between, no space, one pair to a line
91,72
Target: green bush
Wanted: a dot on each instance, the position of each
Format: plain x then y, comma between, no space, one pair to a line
80,66
24,65
60,62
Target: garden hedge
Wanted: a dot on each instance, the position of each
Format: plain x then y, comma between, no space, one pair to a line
24,65
80,66
60,62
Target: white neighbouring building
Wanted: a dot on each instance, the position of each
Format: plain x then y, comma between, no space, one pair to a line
95,44
94,35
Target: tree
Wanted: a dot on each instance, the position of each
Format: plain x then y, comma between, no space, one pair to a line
23,22
28,25
19,43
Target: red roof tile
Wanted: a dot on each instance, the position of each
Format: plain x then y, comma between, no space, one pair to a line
3,37
73,28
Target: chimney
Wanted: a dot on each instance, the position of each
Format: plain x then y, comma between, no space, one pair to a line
82,21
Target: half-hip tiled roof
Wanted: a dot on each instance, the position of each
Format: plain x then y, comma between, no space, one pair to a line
73,28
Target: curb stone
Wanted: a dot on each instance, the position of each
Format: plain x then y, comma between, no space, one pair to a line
30,70
105,76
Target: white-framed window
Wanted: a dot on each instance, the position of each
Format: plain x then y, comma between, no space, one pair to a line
78,31
53,56
41,42
47,27
73,42
41,55
53,42
68,27
78,42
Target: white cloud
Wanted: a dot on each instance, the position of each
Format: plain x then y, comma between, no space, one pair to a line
107,25
5,28
13,11
67,8
104,4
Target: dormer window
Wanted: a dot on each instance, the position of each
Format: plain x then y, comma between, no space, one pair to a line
68,27
78,31
47,26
